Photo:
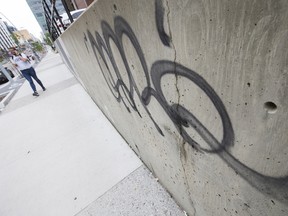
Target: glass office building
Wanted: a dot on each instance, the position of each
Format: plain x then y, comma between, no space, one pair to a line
38,11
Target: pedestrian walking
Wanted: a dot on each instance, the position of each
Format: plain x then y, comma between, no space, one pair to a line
21,61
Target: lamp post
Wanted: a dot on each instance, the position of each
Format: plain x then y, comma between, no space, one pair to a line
2,68
21,36
8,19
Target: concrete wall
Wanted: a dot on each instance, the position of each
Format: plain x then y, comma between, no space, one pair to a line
198,88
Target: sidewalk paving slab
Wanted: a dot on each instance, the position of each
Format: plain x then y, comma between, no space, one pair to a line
138,194
59,154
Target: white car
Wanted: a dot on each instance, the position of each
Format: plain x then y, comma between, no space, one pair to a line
75,14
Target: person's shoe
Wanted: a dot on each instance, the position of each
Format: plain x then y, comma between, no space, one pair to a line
44,89
35,94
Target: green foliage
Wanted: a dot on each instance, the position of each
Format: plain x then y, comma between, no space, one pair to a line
37,46
15,38
3,55
48,39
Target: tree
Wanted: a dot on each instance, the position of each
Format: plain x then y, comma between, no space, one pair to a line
14,37
37,46
48,39
3,55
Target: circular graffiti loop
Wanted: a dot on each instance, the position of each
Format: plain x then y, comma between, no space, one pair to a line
274,186
182,117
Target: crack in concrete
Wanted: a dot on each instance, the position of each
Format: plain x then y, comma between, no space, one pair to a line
182,151
183,159
173,47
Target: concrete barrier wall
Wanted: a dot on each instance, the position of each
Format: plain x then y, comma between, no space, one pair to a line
198,88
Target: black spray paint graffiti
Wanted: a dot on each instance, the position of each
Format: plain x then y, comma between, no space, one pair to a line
182,118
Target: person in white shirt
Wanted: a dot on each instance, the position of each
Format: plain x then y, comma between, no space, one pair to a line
21,61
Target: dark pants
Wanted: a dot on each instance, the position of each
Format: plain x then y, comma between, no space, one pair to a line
28,74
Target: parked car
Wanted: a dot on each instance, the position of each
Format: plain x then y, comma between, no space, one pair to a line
3,78
65,19
59,24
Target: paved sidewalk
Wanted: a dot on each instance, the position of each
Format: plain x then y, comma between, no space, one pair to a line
60,156
9,89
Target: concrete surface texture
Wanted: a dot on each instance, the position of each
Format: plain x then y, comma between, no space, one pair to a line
58,152
138,194
199,90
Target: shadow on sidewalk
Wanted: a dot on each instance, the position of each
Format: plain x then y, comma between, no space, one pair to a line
26,100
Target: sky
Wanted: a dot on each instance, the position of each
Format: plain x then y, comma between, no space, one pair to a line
19,13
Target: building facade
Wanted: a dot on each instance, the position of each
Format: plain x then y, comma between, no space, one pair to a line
38,11
6,40
77,4
23,36
81,3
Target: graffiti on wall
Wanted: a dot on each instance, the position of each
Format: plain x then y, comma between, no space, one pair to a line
127,92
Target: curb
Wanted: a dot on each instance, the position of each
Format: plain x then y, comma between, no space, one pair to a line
8,96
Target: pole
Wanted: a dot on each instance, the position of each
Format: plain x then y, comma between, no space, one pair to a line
52,13
13,26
